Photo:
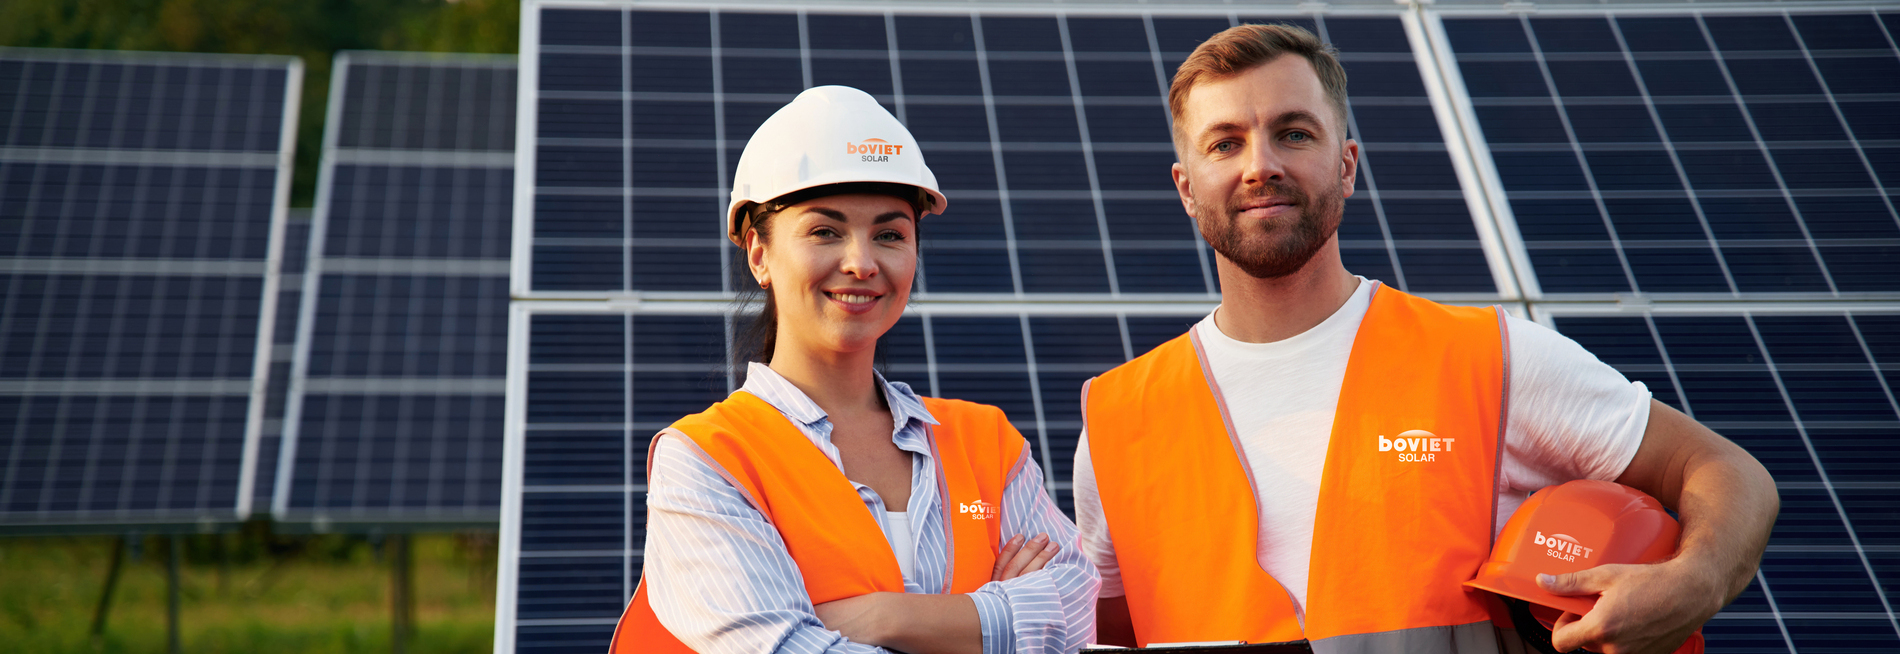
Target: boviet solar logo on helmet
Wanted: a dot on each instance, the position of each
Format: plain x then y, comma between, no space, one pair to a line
873,150
1563,546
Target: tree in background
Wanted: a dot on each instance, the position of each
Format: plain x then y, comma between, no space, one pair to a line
313,30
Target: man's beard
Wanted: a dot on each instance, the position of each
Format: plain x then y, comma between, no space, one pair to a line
1271,254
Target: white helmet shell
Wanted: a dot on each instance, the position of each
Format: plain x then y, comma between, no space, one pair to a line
827,135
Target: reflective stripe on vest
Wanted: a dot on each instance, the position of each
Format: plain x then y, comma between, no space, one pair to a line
839,548
1406,502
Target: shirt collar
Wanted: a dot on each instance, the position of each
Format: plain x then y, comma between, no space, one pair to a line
765,383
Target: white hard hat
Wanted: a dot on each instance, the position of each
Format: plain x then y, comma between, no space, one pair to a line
827,135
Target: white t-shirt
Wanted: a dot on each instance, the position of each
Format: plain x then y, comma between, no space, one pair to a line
897,532
1571,417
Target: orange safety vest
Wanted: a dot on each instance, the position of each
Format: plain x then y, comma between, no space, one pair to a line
840,550
1404,517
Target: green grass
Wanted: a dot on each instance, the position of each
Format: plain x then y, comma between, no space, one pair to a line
246,592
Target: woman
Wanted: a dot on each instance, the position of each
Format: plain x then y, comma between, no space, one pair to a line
822,508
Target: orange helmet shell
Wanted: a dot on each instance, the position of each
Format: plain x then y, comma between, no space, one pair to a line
1575,526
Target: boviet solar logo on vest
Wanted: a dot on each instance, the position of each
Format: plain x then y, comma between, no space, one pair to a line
978,510
1416,446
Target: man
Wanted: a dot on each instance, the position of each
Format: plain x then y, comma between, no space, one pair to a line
1229,484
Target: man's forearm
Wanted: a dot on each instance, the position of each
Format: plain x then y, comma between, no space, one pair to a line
1728,508
1726,500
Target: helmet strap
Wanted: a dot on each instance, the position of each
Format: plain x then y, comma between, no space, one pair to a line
1529,628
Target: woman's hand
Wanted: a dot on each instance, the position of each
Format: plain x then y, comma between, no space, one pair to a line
1019,558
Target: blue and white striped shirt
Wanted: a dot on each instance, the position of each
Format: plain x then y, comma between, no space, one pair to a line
719,576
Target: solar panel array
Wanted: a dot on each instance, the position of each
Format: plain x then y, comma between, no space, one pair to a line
1065,251
141,207
1706,154
1811,395
394,414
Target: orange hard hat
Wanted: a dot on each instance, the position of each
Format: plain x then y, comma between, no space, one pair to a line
1569,527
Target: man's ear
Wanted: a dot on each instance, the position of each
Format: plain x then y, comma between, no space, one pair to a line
1349,165
1183,186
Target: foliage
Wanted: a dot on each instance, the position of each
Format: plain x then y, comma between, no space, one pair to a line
313,30
248,592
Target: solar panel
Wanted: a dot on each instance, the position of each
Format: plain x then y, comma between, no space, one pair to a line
595,386
1811,395
1049,134
1702,154
141,208
396,387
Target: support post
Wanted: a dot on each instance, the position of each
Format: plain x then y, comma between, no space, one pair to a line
112,584
171,600
402,592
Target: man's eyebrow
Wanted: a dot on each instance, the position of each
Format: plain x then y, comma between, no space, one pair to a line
1297,116
1228,126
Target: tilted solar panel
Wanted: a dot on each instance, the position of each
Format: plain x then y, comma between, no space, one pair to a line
141,211
1048,133
1710,154
1811,395
395,401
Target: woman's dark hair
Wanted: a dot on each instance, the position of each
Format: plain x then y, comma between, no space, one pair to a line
757,336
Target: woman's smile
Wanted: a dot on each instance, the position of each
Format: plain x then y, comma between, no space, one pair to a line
854,300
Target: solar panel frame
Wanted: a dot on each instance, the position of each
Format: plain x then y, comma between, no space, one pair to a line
442,148
185,155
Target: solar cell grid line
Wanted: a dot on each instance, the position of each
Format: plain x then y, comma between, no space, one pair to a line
141,215
1010,170
1806,388
397,382
1088,157
1011,251
1709,153
1675,158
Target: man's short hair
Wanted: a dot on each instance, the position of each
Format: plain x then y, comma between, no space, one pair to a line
1238,49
